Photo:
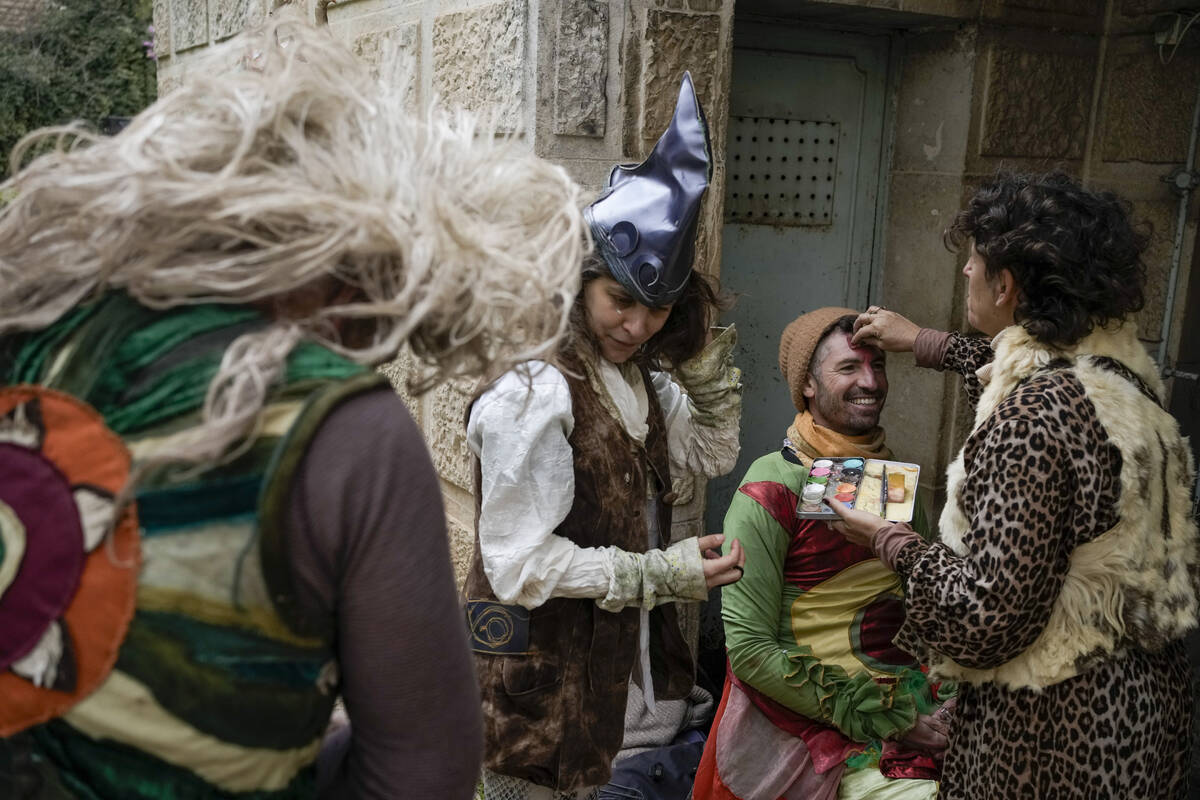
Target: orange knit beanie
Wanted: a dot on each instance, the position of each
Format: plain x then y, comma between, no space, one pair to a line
798,342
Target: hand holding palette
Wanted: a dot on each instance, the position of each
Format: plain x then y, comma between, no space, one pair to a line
884,488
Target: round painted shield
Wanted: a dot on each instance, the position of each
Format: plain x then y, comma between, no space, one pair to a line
68,557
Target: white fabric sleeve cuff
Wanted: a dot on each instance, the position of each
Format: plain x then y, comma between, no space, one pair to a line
650,579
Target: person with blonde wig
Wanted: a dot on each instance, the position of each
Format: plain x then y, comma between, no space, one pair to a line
215,517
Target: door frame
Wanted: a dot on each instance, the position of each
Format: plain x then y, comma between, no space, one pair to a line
755,32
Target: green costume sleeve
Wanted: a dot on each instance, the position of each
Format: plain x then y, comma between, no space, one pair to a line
771,661
920,521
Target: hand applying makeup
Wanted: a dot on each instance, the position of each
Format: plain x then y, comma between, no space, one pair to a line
858,527
887,330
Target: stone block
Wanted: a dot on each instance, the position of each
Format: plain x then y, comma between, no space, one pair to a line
462,546
168,82
1133,8
676,43
1037,103
446,431
933,112
581,68
393,55
161,17
959,420
1148,107
912,411
1078,8
921,280
398,371
229,17
919,275
189,21
956,418
479,61
707,245
705,5
590,173
631,87
1162,216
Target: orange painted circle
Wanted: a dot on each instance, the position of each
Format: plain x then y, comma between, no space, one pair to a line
81,446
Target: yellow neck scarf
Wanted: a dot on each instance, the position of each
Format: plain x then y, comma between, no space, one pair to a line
811,441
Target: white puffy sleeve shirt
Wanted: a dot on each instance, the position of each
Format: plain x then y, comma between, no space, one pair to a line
519,429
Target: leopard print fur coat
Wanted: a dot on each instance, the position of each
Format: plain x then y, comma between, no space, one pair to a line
1064,577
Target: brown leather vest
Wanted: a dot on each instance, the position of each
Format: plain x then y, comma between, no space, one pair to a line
556,715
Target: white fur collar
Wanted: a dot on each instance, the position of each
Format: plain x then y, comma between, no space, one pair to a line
1019,355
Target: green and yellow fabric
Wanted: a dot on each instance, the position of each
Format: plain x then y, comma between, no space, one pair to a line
810,625
218,687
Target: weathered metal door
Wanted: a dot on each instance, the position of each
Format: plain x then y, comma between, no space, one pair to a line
803,164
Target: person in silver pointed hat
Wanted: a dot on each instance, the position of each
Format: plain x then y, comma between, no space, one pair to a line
571,591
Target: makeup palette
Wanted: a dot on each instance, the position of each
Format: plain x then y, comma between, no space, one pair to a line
886,489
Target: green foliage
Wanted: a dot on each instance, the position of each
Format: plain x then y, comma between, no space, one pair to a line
79,60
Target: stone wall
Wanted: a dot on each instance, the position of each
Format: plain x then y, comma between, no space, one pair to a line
1024,85
586,83
637,51
934,100
980,85
1029,84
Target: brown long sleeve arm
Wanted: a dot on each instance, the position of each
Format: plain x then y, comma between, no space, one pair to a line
367,542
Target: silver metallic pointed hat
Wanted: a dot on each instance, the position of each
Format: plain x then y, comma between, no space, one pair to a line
645,223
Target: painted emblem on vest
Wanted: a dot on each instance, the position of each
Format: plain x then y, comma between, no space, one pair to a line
497,628
68,564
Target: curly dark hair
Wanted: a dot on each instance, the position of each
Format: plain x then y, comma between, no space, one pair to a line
682,335
1075,255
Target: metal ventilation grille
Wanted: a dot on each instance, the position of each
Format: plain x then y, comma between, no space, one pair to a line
781,171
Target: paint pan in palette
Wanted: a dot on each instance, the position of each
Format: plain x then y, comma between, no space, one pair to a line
884,488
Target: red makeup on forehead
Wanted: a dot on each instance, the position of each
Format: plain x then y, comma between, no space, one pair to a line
864,350
865,355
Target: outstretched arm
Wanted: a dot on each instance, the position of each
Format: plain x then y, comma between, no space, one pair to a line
935,349
976,608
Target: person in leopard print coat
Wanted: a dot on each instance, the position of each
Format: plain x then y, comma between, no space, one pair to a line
1065,574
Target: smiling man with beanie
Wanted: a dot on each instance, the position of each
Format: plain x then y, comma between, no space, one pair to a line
818,703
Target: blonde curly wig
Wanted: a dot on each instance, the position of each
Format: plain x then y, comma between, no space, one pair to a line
294,168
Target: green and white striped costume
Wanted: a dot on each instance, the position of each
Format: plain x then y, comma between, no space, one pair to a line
220,687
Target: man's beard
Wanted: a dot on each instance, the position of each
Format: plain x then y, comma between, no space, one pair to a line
842,413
